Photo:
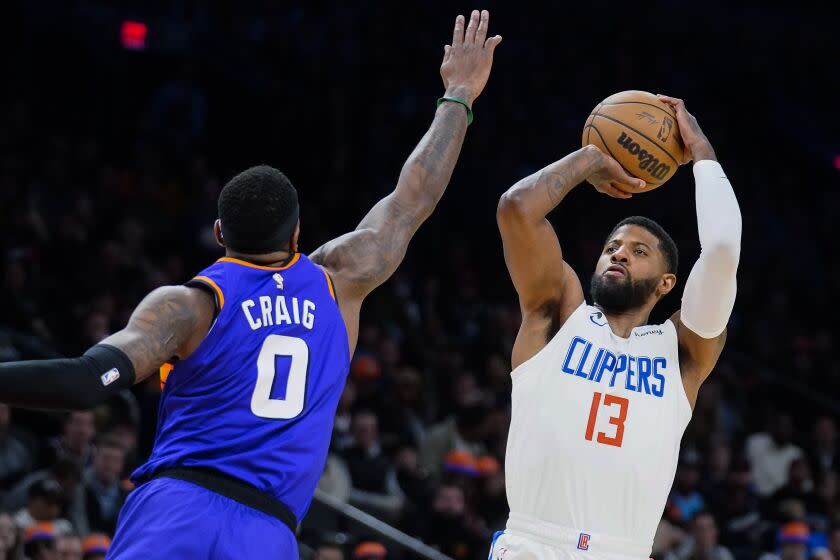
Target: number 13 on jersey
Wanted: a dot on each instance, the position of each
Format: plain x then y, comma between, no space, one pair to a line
617,421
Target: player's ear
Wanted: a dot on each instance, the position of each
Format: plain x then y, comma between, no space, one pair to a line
293,243
666,284
217,233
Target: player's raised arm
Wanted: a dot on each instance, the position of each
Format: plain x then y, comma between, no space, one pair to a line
363,259
709,294
546,285
170,321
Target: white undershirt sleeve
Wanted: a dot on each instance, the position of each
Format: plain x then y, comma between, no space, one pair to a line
709,294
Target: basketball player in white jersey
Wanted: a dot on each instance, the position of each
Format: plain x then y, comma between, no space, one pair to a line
600,397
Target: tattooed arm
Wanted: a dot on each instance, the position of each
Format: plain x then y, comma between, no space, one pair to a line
549,290
363,259
170,321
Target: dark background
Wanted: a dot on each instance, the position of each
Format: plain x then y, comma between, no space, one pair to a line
111,161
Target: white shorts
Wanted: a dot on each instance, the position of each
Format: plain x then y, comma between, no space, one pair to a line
527,539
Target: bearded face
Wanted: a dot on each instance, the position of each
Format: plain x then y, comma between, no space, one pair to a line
615,293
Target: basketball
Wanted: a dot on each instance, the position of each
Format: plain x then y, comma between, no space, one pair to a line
640,132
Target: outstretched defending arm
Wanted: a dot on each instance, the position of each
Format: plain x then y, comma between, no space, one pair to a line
363,259
548,289
709,294
170,321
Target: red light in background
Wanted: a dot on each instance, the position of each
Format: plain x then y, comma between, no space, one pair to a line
837,162
133,35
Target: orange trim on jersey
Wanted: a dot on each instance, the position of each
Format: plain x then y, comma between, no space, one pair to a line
252,265
329,283
219,295
165,370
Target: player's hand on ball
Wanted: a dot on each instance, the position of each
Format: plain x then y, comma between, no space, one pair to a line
610,178
467,61
697,146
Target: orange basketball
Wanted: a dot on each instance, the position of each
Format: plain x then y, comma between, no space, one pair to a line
640,132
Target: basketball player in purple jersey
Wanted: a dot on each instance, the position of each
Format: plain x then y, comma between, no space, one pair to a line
254,351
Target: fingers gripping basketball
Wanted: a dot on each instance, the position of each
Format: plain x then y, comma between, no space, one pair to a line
640,132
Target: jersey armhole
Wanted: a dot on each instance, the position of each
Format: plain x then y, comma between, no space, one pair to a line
521,367
330,284
209,286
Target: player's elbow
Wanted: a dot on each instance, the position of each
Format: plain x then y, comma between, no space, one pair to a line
511,207
723,255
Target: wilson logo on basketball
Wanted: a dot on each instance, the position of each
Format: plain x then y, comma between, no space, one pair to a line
646,160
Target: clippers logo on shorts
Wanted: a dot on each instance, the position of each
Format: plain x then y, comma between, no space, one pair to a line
583,542
110,376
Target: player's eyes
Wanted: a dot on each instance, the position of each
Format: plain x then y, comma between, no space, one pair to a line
641,252
610,250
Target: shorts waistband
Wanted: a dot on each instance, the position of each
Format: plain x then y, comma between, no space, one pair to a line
575,539
234,489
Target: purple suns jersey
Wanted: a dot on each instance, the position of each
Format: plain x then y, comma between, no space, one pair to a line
256,400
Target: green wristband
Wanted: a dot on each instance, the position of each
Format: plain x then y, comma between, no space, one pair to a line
462,102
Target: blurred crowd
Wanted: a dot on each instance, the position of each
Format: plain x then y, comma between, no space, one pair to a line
110,165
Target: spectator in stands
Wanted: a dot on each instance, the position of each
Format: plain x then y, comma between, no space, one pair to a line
824,504
328,550
370,550
793,540
76,441
68,547
95,546
770,454
738,511
714,477
413,480
342,436
799,486
39,541
15,457
703,542
463,432
685,500
9,538
448,527
104,493
824,453
403,416
375,488
43,505
68,474
834,541
335,479
666,539
492,499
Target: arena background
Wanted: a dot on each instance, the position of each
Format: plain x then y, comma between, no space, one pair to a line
120,122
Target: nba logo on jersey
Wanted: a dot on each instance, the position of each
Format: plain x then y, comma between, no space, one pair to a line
583,542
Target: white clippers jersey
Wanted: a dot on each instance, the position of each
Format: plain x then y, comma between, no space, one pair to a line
596,429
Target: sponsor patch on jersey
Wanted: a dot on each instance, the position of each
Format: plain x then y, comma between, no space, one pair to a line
110,376
648,332
583,542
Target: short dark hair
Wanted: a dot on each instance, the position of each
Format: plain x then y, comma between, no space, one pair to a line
666,243
258,210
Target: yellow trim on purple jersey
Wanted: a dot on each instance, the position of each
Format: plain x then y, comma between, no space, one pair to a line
252,265
219,295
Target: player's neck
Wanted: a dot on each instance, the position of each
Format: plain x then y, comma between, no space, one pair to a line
622,323
277,258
